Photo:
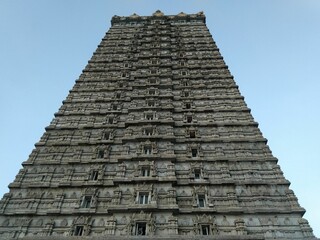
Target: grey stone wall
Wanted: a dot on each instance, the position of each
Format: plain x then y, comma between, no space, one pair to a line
154,139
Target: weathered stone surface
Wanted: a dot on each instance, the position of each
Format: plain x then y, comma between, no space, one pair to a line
153,140
154,238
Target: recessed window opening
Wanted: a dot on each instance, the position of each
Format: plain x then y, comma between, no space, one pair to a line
114,107
152,92
143,198
94,175
86,202
201,201
79,230
192,134
118,95
197,174
145,171
148,131
186,94
147,150
110,120
188,105
106,135
100,153
205,230
141,228
151,103
189,119
194,152
149,116
152,81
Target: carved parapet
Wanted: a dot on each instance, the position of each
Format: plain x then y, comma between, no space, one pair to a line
171,170
292,198
4,202
66,180
57,204
121,173
111,226
172,226
240,226
159,16
48,228
305,228
117,194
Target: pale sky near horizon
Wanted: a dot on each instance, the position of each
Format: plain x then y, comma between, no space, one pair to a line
271,47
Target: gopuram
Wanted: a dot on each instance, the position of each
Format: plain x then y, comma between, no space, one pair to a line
154,141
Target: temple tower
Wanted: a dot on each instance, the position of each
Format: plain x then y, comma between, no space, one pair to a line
154,141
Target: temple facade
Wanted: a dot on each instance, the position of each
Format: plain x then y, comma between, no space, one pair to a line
154,141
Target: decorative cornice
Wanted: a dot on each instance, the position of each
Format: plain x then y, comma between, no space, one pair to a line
158,15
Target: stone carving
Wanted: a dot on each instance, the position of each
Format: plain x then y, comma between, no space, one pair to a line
154,139
101,152
240,226
48,228
84,222
121,170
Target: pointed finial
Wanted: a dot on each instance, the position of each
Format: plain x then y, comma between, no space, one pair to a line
134,15
158,13
182,14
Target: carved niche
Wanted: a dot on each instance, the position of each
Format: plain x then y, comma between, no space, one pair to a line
141,224
145,169
81,226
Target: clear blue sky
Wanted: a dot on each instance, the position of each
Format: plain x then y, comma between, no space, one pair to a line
272,48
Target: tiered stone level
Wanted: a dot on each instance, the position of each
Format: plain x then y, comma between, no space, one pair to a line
153,140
